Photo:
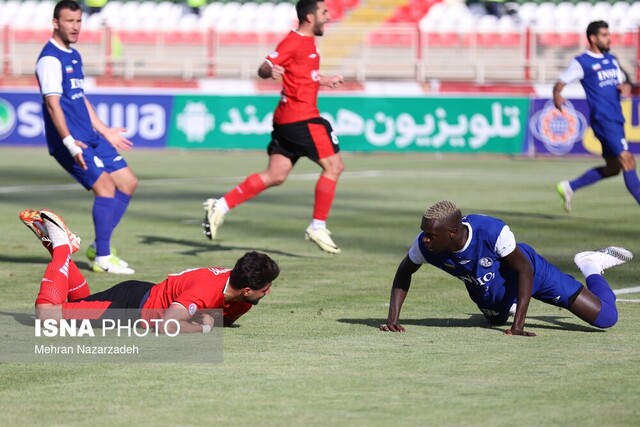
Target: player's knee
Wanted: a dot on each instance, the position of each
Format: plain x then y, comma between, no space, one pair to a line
607,317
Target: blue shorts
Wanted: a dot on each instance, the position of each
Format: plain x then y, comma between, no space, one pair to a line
101,158
550,285
611,137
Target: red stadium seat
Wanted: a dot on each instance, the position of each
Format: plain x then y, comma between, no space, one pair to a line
137,36
26,35
185,37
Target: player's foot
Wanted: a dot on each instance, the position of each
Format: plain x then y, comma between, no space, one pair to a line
213,218
322,238
602,259
91,254
58,232
31,218
512,310
111,265
566,193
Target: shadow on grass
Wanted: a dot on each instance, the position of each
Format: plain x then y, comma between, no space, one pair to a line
193,248
26,319
479,321
37,260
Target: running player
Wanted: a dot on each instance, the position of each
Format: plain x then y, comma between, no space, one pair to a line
298,129
603,81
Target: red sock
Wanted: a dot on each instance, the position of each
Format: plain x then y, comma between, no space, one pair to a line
325,191
78,286
55,282
247,189
84,309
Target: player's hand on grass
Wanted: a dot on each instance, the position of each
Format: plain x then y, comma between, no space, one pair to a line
391,327
207,319
115,138
520,332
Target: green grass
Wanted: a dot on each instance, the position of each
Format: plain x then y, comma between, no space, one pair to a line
310,353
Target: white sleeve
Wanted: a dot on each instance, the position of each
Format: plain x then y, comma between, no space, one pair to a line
573,72
621,77
49,72
506,242
415,255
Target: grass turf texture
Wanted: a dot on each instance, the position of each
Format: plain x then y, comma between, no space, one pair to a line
310,353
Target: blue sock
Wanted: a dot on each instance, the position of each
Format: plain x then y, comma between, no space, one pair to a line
588,178
103,208
120,207
608,315
632,183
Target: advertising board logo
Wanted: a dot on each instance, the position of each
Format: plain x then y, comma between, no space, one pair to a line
7,118
195,121
558,130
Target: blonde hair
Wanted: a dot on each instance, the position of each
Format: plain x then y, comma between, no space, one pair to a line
441,210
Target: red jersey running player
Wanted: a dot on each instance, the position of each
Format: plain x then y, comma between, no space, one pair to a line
298,129
184,297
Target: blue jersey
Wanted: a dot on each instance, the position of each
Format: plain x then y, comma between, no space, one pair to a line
491,284
601,78
59,73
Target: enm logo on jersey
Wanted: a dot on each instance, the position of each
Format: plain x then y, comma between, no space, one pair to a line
558,130
76,83
609,74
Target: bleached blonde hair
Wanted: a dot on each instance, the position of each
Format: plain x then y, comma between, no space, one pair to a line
441,210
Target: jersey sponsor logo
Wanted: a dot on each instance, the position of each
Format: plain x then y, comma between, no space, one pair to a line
486,262
274,54
192,309
313,56
464,261
76,83
608,74
117,158
605,61
7,118
78,95
449,266
98,162
558,130
75,61
478,281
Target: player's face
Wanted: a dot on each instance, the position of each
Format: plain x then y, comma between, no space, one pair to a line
320,18
437,236
67,26
602,40
253,296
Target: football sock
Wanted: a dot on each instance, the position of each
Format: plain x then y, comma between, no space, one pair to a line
317,224
632,183
588,178
324,194
103,208
608,315
247,189
55,282
120,205
78,286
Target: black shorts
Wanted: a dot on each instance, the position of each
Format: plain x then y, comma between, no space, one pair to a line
313,138
125,298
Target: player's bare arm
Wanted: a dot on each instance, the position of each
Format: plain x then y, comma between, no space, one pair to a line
112,135
181,314
331,81
399,290
558,100
270,71
57,116
517,261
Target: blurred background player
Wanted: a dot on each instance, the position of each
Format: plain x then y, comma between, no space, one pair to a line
298,129
482,252
64,292
603,82
73,132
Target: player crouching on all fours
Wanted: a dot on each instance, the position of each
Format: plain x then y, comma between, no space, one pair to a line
183,298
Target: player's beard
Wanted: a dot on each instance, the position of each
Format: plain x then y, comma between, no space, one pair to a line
318,29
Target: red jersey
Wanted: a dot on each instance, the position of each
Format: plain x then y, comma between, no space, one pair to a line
194,289
299,56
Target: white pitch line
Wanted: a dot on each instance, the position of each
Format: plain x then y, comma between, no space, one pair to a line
629,300
624,291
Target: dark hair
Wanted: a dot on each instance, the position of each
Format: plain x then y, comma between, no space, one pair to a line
594,27
305,7
254,270
65,4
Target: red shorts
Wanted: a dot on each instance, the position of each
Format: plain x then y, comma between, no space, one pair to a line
313,138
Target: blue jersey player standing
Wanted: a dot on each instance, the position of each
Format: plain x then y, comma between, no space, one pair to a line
603,82
482,252
83,145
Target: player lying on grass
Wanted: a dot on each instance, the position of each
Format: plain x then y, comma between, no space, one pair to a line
64,292
498,272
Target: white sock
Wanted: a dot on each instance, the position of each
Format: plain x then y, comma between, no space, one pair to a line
222,205
102,260
317,224
590,268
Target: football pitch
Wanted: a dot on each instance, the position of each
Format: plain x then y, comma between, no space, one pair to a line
310,353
